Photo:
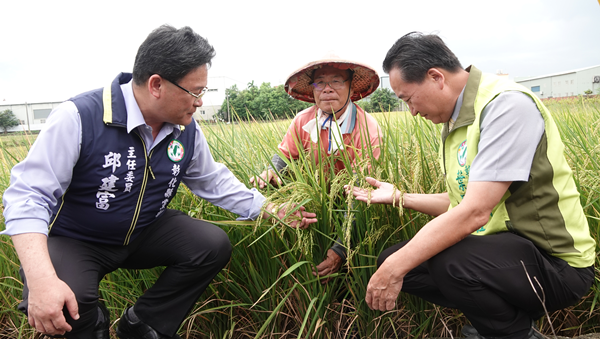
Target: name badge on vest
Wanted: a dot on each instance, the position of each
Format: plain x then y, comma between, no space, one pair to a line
175,151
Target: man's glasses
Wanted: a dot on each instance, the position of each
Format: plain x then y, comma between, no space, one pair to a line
334,84
197,96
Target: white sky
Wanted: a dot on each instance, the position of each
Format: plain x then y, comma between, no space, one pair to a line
52,50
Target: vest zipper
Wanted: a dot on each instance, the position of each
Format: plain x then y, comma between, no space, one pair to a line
138,206
150,167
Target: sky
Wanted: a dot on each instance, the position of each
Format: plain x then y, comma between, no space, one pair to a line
53,50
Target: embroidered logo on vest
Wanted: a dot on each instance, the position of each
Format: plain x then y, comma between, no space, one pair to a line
175,151
462,154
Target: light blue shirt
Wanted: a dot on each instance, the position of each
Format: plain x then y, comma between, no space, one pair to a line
39,181
511,128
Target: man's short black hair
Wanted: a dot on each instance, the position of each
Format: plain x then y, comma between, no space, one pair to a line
415,53
171,53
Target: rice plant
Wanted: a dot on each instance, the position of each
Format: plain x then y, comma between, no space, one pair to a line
268,289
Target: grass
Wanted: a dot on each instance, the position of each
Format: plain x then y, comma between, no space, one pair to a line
268,290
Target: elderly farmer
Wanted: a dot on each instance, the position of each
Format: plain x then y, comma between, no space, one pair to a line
332,126
511,211
93,192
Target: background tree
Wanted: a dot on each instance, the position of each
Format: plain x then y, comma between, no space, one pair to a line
259,103
8,120
382,100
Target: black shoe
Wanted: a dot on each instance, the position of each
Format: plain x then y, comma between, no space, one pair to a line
103,323
136,329
471,333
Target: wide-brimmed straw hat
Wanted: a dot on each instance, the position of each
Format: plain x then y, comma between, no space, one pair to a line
364,81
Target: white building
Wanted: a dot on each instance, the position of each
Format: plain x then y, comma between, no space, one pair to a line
564,84
215,96
32,116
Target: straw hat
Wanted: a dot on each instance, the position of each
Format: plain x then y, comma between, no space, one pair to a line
364,82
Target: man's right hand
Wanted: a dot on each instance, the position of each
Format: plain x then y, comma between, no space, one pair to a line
46,300
265,177
48,295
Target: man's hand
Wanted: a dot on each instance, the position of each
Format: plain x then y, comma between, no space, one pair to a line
330,265
383,289
298,219
46,301
384,193
48,295
265,177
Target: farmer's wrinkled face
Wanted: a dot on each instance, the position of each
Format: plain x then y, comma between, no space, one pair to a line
425,98
331,87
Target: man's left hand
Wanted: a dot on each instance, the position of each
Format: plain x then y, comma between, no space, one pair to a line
383,290
330,265
384,193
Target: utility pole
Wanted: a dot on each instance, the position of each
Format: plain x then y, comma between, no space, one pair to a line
227,97
27,115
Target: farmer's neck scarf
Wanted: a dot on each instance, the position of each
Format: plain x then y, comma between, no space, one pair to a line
337,127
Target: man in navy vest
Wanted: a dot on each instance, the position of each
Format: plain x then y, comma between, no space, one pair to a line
93,192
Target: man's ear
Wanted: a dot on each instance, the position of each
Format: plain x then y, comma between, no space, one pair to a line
436,75
155,85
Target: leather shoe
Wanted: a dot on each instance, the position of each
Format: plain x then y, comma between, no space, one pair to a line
136,329
103,324
470,332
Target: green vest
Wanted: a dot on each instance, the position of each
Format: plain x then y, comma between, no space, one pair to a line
546,209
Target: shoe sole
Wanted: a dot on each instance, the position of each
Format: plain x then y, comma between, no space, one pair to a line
121,335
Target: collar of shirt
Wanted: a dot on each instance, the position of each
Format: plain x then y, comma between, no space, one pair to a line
135,118
343,125
457,106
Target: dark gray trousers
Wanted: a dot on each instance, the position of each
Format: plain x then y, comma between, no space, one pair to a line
193,252
483,277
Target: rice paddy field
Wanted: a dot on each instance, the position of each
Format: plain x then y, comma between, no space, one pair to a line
268,289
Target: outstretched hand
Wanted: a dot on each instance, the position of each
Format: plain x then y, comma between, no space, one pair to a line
298,219
268,176
384,193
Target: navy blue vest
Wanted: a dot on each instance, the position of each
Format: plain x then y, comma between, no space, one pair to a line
117,189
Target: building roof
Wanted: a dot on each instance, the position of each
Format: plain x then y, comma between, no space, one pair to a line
8,103
556,74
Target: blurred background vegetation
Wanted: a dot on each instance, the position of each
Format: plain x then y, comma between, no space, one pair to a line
266,103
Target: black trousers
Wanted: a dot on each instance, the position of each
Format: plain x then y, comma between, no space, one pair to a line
483,277
193,252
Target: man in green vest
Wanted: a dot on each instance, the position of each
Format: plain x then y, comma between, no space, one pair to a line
511,211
